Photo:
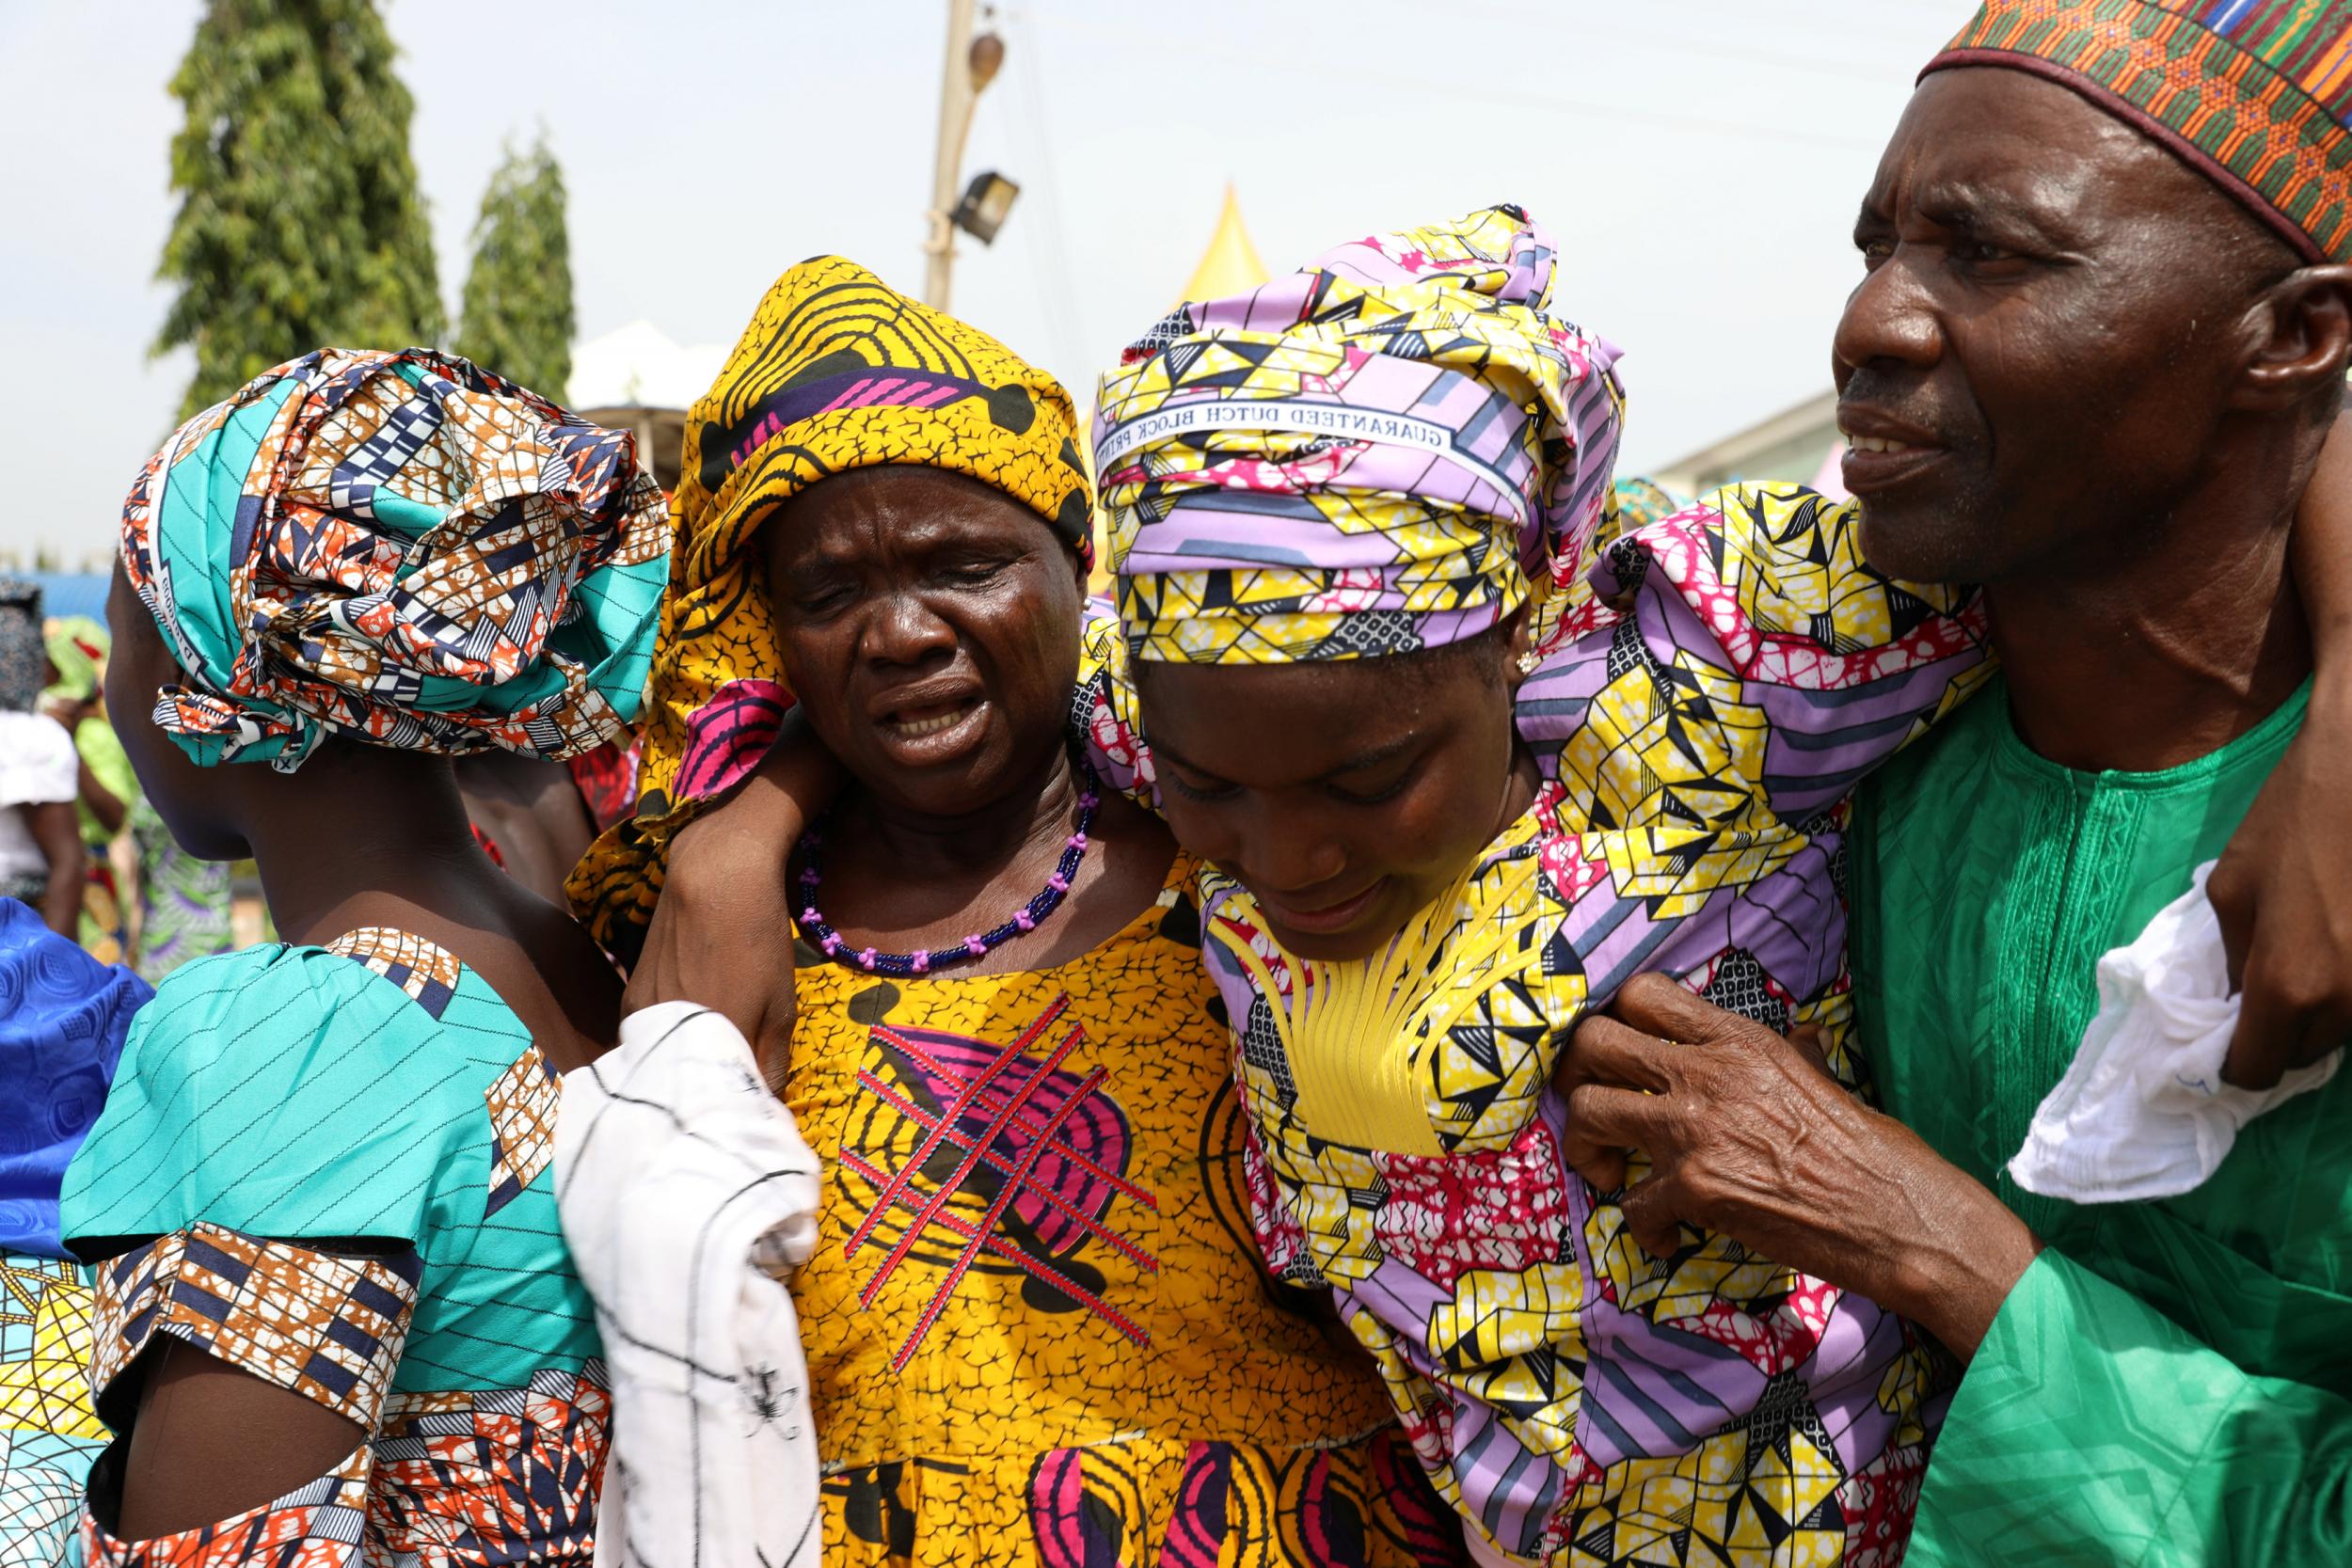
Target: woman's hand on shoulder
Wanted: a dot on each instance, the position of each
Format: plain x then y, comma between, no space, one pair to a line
2283,889
722,934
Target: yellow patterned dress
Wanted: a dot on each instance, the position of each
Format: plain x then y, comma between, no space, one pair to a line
1037,1330
48,1433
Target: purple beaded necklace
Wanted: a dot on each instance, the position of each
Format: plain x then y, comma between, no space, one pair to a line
1026,918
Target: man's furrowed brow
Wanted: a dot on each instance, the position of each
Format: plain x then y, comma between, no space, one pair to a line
1979,210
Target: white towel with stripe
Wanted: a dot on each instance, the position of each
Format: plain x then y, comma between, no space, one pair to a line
687,1199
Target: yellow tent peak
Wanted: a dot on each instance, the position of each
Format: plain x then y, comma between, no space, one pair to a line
1230,264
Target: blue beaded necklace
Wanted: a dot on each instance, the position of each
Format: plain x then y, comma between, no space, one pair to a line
1025,919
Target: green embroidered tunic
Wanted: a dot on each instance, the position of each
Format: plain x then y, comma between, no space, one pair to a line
2172,1382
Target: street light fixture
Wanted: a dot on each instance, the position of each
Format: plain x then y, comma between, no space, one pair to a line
987,202
972,63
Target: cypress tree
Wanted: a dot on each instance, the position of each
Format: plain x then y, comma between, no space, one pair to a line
300,223
518,310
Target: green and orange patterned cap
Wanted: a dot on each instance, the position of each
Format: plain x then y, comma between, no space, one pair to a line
2255,94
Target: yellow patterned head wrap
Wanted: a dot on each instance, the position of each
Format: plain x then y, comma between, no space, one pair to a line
837,371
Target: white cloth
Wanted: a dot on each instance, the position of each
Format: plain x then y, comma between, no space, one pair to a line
687,1198
37,767
2142,1112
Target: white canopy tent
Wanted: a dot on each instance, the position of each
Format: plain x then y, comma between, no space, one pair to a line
635,377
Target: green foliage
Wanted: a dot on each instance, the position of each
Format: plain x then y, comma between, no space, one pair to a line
300,224
518,310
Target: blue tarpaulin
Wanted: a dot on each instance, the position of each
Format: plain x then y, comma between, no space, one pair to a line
71,593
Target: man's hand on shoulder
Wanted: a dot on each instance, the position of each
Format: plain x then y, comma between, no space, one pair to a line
1747,1135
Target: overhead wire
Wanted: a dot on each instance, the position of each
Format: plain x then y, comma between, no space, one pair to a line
1056,289
1482,93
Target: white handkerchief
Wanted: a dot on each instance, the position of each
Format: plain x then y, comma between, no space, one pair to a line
2142,1112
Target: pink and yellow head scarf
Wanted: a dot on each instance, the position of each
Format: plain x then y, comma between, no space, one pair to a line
1392,449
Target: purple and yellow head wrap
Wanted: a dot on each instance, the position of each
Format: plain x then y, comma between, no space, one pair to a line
2256,94
401,547
1391,448
837,371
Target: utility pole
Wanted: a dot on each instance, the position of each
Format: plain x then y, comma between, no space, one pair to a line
972,64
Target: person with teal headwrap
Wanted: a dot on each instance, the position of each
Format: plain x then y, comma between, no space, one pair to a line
361,564
62,1018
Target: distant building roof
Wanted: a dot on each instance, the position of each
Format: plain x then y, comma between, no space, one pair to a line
1798,444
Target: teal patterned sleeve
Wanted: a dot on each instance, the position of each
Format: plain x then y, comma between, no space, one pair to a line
278,1092
2093,1428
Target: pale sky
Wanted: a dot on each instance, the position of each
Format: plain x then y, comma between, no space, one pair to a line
1698,160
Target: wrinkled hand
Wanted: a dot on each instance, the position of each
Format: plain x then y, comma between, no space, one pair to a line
1747,1135
2283,891
722,934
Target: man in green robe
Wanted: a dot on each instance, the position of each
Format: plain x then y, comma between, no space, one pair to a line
2099,344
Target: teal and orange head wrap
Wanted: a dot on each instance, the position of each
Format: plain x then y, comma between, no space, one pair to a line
401,547
2256,94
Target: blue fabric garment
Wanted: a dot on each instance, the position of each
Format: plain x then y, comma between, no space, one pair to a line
62,1018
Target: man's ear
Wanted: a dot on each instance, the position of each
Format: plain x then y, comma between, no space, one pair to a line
2307,341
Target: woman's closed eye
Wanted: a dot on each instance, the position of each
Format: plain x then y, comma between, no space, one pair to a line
1375,789
1206,792
972,571
817,599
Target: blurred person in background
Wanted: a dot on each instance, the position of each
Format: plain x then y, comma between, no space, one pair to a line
104,785
607,778
186,903
41,844
529,816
